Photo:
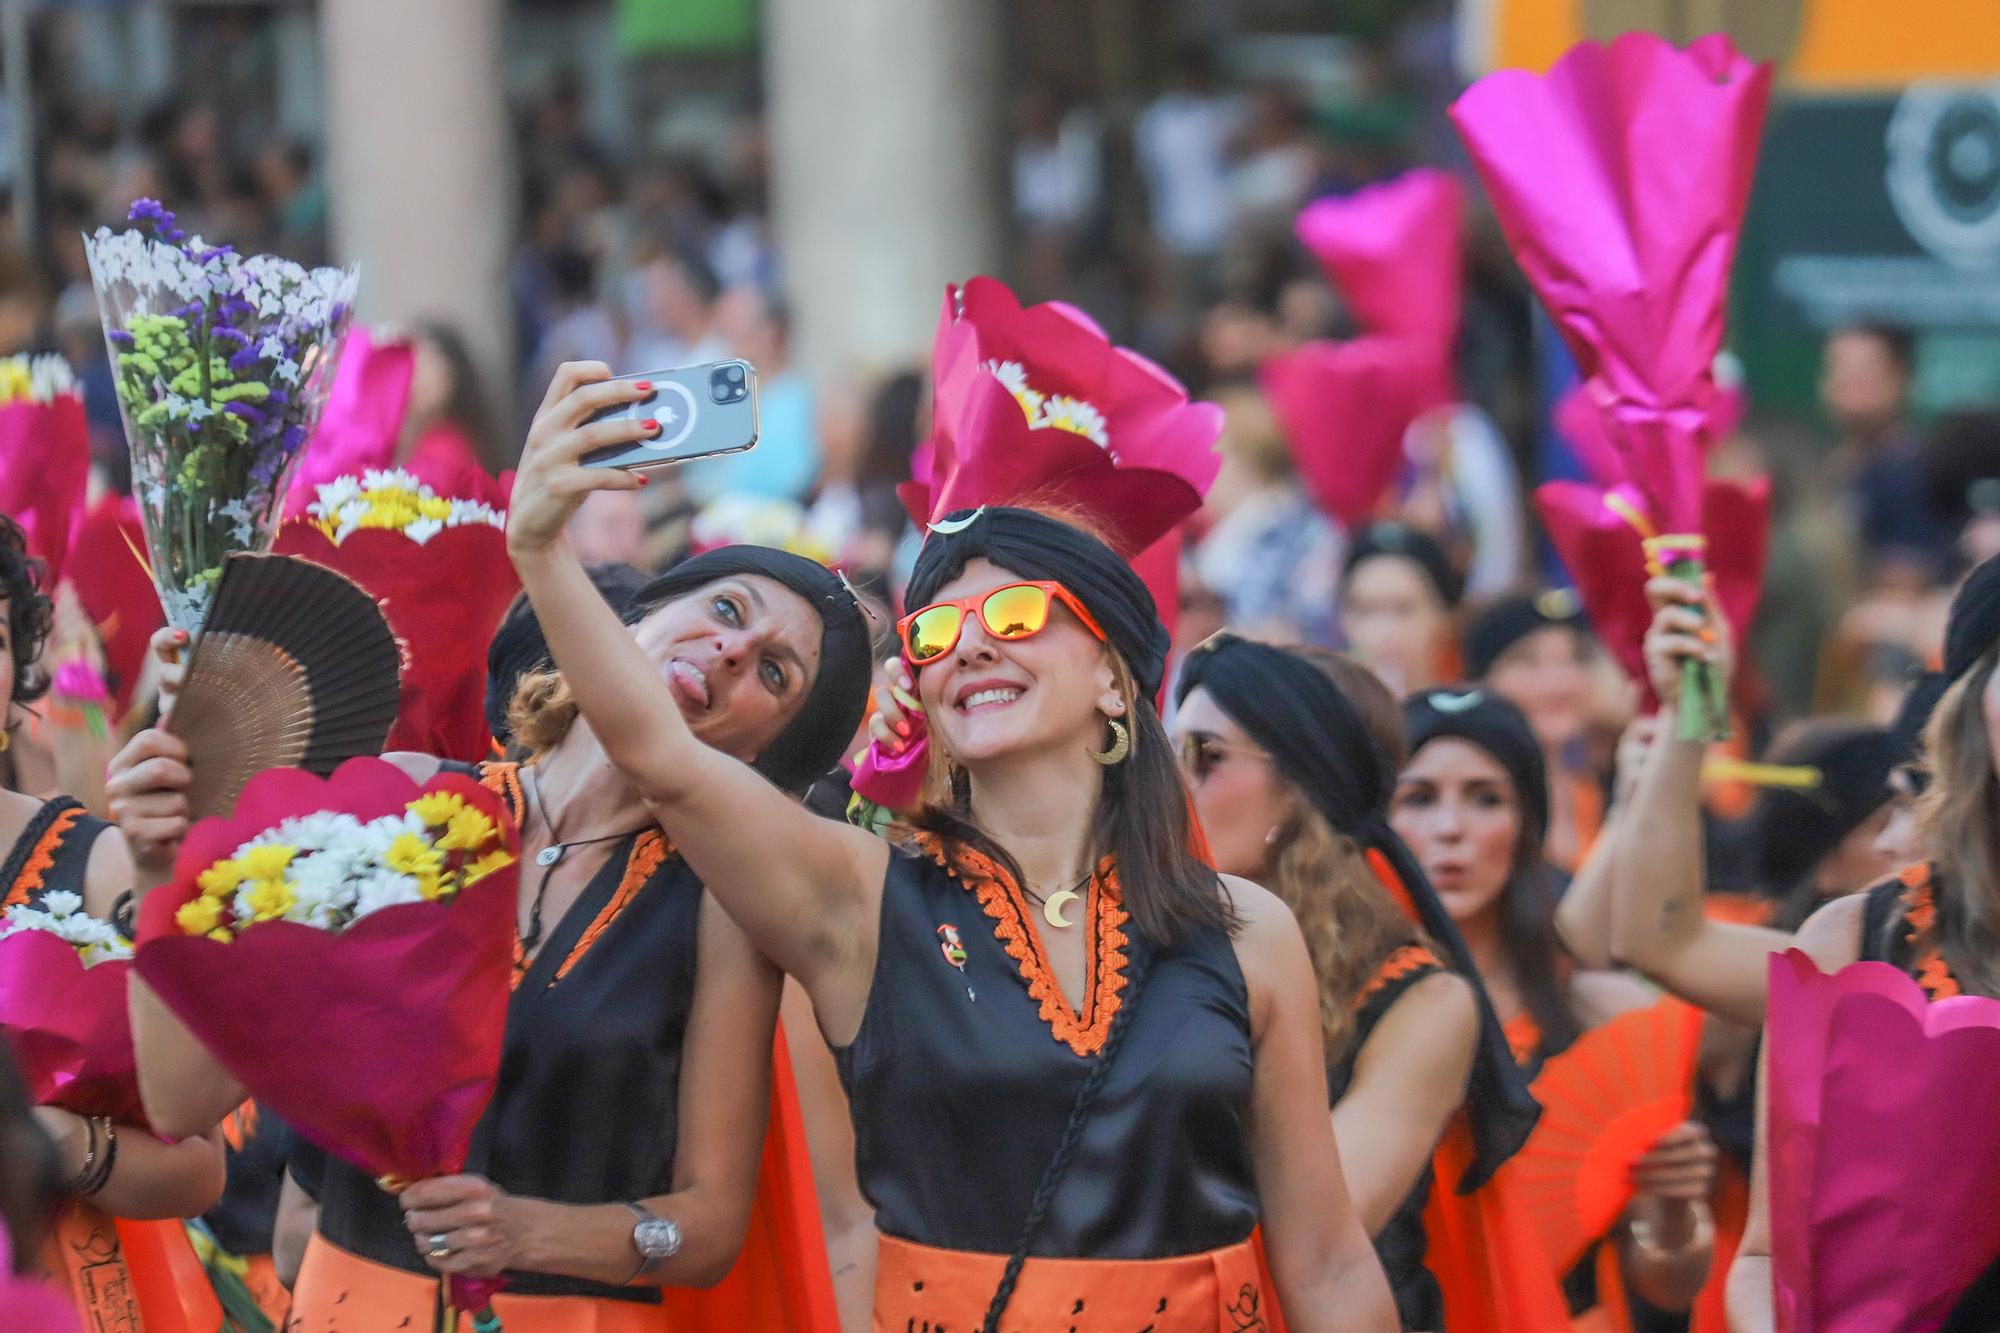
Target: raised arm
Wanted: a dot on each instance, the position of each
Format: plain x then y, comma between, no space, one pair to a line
1584,916
804,889
1832,938
1408,1079
1327,1275
1658,925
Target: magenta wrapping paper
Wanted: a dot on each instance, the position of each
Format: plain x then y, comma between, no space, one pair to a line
68,1028
1884,1147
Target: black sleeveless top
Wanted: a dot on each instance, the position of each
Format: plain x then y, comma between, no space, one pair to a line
52,853
968,1060
1401,1243
586,1109
1885,938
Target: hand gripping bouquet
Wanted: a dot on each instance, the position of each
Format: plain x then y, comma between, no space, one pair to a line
439,568
343,946
1620,179
44,455
223,363
1038,405
1884,1143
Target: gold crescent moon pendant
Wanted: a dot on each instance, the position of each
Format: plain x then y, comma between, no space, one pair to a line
1052,910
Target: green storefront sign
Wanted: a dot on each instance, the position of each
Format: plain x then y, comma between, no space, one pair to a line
1883,208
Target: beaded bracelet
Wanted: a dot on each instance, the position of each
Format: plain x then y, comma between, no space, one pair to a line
103,1174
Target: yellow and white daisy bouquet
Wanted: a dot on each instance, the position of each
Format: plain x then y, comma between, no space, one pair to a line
61,914
397,501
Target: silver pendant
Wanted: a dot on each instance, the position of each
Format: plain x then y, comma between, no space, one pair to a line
548,856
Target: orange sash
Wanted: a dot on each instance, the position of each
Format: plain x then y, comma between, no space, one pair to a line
917,1286
130,1277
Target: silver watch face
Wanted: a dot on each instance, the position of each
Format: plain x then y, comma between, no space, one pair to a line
657,1239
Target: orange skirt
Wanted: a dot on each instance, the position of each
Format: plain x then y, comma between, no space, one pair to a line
917,1286
339,1292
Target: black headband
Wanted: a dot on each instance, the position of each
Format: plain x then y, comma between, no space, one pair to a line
1496,726
1796,828
1974,623
1036,546
1321,744
816,737
1412,545
1511,619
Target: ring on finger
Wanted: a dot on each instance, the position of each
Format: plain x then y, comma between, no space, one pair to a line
440,1246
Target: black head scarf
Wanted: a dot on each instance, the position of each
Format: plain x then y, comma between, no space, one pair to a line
1405,541
1511,619
1495,726
1322,745
1036,546
813,742
518,646
1974,624
1794,828
1913,718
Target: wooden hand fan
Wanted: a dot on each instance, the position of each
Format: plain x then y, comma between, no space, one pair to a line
1605,1101
295,668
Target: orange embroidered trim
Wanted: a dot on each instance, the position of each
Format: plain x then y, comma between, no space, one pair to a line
504,780
1000,898
1405,960
1932,972
1524,1037
240,1126
1392,884
647,854
43,857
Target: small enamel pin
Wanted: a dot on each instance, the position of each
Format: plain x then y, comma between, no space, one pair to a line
953,950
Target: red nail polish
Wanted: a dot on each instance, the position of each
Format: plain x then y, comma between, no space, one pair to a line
643,386
652,426
180,636
644,480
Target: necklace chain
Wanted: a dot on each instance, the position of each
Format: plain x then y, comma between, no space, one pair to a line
1077,887
550,857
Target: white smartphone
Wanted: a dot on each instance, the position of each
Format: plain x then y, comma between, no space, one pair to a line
704,411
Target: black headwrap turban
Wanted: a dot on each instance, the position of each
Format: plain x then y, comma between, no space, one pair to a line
1414,546
1321,744
1036,546
1511,619
1495,726
813,742
1796,827
1974,624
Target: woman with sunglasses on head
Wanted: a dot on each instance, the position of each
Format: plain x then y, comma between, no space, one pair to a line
1291,755
1472,804
1064,1037
621,1151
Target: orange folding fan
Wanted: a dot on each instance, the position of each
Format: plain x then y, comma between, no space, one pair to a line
1605,1101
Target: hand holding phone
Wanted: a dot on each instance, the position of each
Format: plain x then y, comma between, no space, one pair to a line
704,411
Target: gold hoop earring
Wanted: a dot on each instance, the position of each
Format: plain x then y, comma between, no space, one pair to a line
1121,745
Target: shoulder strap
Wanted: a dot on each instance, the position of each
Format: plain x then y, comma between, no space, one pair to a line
1880,913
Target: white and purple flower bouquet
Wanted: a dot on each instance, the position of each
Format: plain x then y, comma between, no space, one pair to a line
223,362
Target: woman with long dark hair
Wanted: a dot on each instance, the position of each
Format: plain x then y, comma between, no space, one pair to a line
1472,803
1292,757
620,1154
1938,920
61,857
1063,1035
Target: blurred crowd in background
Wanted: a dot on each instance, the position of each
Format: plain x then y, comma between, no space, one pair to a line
1166,214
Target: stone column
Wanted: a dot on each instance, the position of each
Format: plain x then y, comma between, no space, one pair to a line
423,192
887,173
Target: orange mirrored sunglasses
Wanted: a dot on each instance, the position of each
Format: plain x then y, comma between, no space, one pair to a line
1017,611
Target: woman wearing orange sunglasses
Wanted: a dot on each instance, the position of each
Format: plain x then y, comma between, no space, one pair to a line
1017,1161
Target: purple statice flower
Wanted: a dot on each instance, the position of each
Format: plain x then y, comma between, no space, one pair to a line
211,255
265,470
243,359
121,338
294,437
154,215
278,398
236,308
242,409
228,334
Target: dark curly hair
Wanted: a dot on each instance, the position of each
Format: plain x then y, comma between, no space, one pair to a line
30,613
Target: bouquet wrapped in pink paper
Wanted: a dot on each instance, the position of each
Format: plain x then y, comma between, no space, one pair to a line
363,417
1345,408
62,1008
111,581
1038,404
344,947
44,455
1602,534
439,567
1395,253
1620,179
1884,1147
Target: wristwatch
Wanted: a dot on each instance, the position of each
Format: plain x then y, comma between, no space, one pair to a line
656,1239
